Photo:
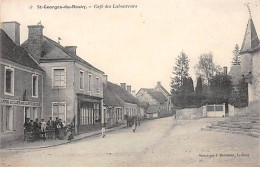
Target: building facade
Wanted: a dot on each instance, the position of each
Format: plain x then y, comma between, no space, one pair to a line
113,106
21,84
73,89
158,99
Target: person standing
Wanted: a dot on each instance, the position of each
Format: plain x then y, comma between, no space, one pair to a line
103,131
175,118
43,129
134,126
56,125
26,126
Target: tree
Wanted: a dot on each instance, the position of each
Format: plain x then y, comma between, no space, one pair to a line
206,68
190,87
198,89
236,58
180,71
221,87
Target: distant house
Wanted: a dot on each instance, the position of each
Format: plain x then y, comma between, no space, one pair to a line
73,88
113,106
120,105
21,84
131,108
158,99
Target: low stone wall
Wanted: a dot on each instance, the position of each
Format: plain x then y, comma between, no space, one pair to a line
189,113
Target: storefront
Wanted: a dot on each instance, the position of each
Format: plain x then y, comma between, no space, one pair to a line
14,112
89,115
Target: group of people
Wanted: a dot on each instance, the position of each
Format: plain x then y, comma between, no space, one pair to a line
40,129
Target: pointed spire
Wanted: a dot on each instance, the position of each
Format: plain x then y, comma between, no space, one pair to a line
251,40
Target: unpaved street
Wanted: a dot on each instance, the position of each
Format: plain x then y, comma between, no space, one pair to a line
156,143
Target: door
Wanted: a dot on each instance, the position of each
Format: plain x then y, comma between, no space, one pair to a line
9,122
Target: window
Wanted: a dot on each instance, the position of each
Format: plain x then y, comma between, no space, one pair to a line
35,85
89,82
59,77
97,85
81,80
9,81
59,110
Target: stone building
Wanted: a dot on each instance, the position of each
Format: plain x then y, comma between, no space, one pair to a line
113,106
130,103
73,88
158,99
21,84
250,62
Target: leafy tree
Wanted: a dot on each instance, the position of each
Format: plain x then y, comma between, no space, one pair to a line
240,96
198,89
236,58
221,86
180,71
206,68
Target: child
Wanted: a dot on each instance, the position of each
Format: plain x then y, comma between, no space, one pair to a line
103,130
134,126
43,129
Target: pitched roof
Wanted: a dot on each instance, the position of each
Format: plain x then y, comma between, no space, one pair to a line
157,95
163,89
251,41
15,53
143,104
152,109
123,94
111,98
54,51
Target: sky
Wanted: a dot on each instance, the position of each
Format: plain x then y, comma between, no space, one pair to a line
139,46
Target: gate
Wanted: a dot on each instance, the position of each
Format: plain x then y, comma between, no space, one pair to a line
216,110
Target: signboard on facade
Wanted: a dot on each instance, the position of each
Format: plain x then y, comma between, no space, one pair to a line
19,103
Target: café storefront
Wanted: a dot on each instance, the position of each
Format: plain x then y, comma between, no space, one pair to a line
89,113
13,114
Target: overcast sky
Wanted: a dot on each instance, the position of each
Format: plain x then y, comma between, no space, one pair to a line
139,46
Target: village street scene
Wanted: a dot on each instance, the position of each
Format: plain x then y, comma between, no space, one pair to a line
60,107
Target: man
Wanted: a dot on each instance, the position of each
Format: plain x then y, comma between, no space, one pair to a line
56,124
26,126
50,123
36,128
50,127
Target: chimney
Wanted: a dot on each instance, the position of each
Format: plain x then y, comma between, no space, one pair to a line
128,88
105,80
158,83
71,49
12,29
123,85
225,70
35,40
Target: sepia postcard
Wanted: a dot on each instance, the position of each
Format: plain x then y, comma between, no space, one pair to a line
130,83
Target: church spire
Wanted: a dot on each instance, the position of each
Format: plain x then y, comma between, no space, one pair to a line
251,40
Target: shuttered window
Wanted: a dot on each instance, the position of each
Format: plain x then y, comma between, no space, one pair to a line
59,77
